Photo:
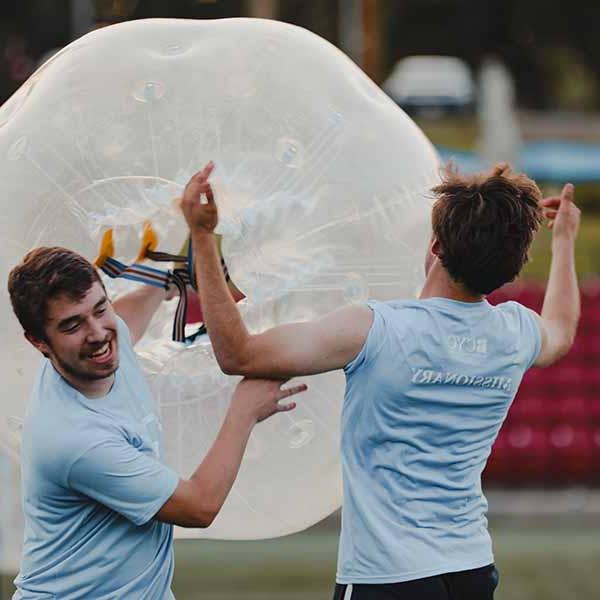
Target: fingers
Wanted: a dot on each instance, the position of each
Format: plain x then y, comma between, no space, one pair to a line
204,174
568,191
555,205
201,177
551,202
198,190
286,407
205,189
291,391
286,393
566,196
554,202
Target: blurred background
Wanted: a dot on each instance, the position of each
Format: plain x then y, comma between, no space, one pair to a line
514,80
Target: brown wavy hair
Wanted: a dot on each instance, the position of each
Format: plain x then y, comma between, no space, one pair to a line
484,225
46,273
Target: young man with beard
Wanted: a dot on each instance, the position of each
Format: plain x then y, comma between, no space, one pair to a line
428,381
99,503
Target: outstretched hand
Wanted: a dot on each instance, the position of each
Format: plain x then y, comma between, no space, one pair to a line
561,213
260,399
198,203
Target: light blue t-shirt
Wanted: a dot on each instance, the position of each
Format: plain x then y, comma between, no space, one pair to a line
92,479
425,398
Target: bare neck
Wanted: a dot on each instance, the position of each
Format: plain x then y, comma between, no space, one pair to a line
438,284
94,388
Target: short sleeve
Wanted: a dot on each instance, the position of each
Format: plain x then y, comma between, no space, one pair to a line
530,326
375,339
123,478
123,331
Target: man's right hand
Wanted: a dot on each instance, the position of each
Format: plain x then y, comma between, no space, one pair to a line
197,501
562,215
258,399
201,217
561,308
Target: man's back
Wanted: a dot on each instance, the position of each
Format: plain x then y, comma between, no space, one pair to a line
92,482
425,399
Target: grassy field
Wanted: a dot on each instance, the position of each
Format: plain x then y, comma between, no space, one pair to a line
545,560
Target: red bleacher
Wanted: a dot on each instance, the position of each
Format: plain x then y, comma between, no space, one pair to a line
552,432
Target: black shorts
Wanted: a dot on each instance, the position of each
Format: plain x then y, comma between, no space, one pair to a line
476,584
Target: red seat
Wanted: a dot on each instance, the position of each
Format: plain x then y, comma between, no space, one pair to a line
533,382
592,409
589,346
529,450
572,453
595,435
528,294
590,317
591,381
590,294
499,463
577,355
562,379
529,410
572,410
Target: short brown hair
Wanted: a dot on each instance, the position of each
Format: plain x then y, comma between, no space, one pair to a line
46,273
484,225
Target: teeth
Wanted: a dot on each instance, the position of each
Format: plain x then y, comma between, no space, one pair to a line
100,352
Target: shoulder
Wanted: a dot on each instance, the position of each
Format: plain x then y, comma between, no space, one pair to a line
397,312
380,319
58,430
519,314
124,333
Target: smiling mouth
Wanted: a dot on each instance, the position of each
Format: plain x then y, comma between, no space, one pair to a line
103,354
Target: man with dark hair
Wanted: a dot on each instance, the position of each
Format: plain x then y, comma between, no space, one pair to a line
428,381
99,503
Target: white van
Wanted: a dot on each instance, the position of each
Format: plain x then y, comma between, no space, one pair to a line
426,84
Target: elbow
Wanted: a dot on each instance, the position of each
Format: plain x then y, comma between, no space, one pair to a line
566,343
200,518
206,511
235,358
560,351
202,511
235,364
204,520
230,367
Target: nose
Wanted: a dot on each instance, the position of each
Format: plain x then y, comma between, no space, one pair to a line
95,332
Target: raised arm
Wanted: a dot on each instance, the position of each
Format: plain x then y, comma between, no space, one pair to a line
296,349
138,307
561,308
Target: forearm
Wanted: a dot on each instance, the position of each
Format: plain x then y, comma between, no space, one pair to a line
561,302
216,474
226,329
138,307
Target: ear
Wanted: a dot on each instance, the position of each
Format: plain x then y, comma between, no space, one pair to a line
435,247
38,344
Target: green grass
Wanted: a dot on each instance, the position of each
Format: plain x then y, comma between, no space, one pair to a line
459,132
587,251
547,560
544,560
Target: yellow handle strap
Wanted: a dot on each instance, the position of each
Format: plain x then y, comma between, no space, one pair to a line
107,249
149,241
